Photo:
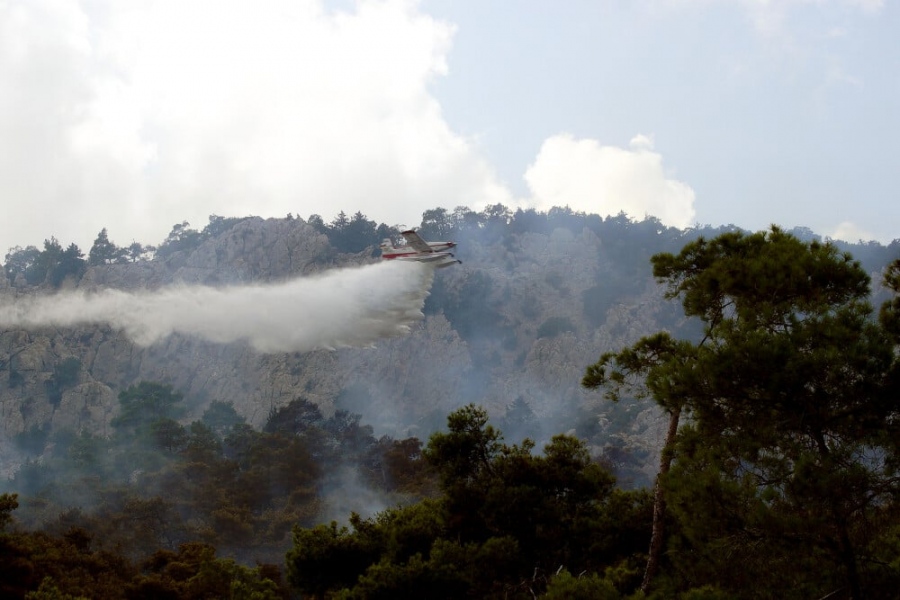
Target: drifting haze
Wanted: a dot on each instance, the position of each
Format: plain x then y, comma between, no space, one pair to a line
345,307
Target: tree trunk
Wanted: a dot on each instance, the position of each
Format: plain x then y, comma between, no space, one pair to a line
847,552
659,501
848,557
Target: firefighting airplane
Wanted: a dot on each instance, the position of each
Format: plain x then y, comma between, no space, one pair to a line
418,250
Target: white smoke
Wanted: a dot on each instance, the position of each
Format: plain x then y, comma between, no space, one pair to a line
345,307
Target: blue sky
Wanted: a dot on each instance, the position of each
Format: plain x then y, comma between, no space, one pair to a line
136,116
771,112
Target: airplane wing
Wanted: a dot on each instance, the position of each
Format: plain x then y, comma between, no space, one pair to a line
417,243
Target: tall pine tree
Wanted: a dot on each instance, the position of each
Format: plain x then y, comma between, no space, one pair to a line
788,463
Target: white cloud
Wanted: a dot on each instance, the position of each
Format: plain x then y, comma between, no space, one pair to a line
135,116
850,232
582,174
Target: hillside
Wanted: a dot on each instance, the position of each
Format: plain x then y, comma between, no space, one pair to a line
537,298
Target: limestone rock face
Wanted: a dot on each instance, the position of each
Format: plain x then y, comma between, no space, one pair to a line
256,250
86,407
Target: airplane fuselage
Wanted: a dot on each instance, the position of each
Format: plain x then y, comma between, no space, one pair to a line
418,250
408,251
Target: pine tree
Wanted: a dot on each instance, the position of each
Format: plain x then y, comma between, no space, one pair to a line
788,457
104,252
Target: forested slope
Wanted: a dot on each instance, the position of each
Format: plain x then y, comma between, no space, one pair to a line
189,441
537,298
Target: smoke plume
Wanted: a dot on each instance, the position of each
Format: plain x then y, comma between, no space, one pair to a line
344,307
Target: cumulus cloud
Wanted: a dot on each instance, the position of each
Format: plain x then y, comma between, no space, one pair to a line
589,177
135,116
850,232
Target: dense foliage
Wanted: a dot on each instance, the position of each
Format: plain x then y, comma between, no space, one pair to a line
506,522
168,497
51,266
784,482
